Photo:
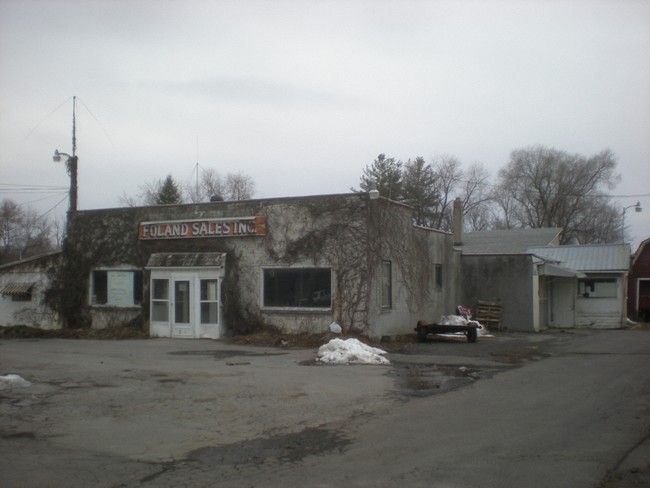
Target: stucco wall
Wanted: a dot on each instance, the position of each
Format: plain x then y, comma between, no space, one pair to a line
508,278
350,234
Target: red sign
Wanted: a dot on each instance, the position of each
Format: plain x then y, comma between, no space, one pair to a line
188,229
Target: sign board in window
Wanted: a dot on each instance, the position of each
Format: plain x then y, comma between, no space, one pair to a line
116,288
120,288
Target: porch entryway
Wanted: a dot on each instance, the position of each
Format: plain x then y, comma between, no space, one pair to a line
185,301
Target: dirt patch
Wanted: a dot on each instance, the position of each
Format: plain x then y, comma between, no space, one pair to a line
285,449
423,380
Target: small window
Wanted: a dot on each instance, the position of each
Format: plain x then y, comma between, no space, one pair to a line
298,287
438,276
386,284
117,288
22,297
598,288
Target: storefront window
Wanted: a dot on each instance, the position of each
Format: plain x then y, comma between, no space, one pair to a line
160,300
209,301
116,287
298,287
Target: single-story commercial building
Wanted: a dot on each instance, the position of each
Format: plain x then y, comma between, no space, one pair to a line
23,285
299,264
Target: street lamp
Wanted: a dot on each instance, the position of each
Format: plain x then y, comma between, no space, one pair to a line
637,208
71,166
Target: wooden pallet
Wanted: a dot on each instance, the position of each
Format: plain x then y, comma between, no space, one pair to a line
488,313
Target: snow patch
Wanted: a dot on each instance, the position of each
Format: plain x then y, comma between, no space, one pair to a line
13,381
350,351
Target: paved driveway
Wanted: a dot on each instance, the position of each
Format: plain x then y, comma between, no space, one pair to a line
513,410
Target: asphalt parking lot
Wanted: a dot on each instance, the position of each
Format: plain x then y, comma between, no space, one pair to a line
133,412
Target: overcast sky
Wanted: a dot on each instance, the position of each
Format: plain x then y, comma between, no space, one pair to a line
301,95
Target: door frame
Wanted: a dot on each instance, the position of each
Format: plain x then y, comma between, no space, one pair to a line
194,328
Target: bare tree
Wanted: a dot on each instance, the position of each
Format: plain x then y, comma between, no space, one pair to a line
145,197
23,232
239,186
477,199
544,187
449,174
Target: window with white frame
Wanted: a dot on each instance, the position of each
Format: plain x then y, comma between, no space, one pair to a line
160,300
297,287
119,288
209,301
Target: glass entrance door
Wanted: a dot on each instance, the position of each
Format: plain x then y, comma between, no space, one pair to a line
182,309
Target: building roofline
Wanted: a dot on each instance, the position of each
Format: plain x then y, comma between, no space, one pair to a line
30,259
329,196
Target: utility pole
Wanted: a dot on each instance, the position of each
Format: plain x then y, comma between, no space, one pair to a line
71,162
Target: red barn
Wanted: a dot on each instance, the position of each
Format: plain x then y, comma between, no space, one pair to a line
638,284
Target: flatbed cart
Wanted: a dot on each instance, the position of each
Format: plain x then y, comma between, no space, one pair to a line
423,329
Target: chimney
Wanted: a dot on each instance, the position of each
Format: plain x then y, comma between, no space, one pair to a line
458,222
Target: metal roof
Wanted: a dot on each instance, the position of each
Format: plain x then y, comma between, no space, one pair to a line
508,241
593,258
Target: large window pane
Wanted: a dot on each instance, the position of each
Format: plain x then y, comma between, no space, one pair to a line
160,300
116,287
298,287
209,301
182,302
598,288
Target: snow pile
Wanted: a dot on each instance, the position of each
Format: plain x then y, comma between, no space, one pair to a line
13,381
350,351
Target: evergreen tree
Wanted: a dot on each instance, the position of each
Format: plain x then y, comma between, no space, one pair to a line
384,175
169,193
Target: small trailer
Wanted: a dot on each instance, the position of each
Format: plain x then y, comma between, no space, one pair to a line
470,329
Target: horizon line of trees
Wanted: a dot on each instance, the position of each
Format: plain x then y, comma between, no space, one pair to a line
538,187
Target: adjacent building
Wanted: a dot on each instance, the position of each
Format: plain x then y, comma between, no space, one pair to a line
23,286
498,266
638,288
592,292
540,284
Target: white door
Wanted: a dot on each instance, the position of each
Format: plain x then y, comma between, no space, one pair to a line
182,310
563,299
